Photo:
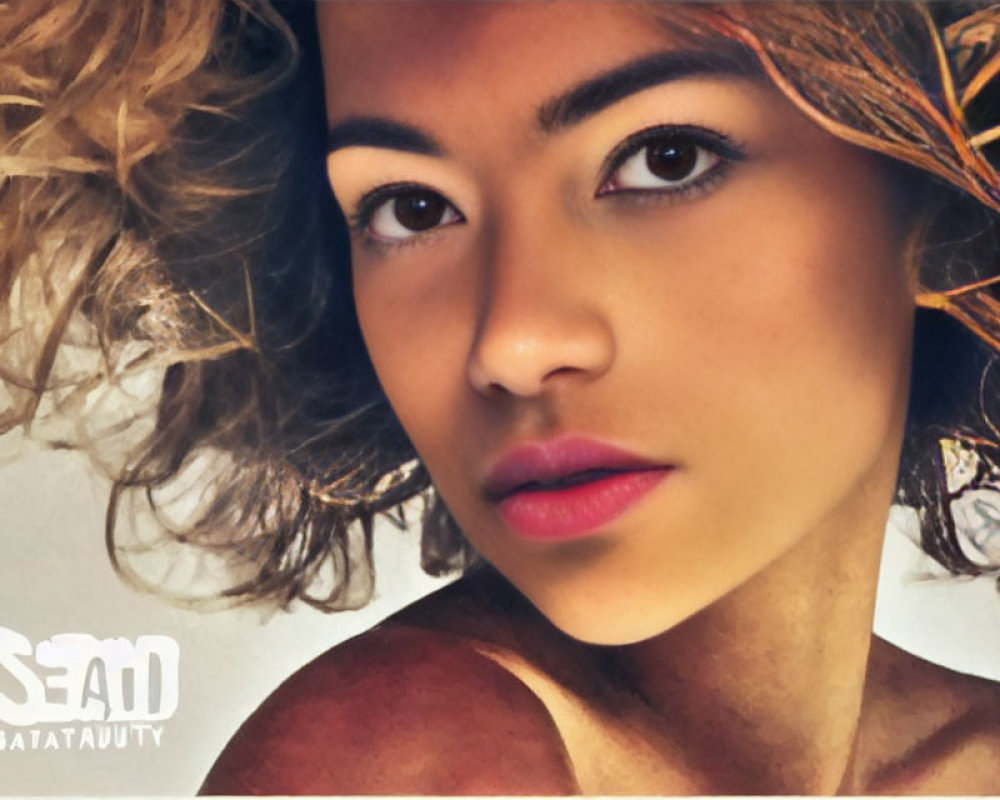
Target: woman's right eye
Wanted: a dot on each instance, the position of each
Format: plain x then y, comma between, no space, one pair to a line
398,213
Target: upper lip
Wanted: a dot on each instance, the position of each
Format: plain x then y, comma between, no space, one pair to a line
533,464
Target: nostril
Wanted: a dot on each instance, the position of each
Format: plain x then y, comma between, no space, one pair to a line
562,371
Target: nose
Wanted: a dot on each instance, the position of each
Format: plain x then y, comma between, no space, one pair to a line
540,321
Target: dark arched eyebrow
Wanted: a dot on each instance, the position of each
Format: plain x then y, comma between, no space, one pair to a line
594,95
569,108
378,132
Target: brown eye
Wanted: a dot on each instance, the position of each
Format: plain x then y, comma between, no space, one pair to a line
659,161
671,159
406,212
419,210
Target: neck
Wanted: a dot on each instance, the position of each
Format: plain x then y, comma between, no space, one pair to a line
763,689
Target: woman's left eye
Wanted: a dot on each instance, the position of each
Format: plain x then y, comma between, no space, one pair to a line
666,160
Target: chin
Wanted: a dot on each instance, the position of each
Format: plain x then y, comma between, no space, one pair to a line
612,624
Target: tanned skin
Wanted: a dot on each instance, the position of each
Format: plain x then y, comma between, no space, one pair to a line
422,705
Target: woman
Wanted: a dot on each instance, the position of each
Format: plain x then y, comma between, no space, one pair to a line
639,284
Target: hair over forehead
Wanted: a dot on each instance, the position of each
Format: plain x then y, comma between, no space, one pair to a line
898,78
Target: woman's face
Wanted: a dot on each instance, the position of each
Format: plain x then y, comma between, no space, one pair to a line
647,326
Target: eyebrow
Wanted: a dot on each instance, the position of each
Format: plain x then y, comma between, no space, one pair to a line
572,107
378,132
595,95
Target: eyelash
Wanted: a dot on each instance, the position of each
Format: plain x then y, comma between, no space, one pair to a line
705,139
370,202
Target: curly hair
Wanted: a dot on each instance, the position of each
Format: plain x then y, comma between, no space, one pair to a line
165,220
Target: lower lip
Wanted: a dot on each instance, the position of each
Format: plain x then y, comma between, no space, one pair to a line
577,511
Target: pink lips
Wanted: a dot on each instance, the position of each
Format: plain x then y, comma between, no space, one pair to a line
568,487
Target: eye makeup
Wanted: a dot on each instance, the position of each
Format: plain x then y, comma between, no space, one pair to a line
679,160
404,210
662,162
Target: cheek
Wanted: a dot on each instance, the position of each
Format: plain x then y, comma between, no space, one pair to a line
803,355
415,319
780,358
832,315
822,368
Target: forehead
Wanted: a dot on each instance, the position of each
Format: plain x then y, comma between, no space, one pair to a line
408,56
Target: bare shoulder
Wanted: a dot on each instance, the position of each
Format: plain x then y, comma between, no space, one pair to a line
398,710
942,726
